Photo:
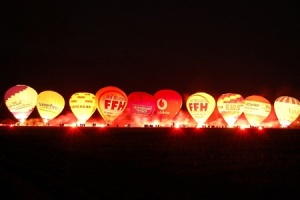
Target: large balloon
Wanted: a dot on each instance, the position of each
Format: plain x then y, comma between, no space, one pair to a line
230,106
83,105
21,101
141,104
256,109
49,105
111,102
168,104
200,106
287,110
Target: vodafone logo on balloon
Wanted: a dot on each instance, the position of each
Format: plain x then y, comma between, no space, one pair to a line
162,104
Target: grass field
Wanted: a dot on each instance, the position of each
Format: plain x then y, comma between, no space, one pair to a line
149,163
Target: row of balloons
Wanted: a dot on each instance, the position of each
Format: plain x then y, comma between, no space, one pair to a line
111,101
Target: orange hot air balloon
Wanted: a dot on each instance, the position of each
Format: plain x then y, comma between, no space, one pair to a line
111,102
49,105
141,104
287,110
168,104
256,109
230,106
200,106
20,101
83,105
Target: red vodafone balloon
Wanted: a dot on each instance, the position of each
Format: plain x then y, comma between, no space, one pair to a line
141,104
168,104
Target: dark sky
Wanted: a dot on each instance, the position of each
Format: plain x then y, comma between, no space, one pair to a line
247,47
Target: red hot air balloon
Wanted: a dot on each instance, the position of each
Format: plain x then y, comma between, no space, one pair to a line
111,102
141,104
168,104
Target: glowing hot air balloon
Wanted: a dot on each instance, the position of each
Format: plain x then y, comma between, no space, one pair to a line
287,110
49,105
200,106
141,104
111,102
231,107
21,101
83,105
256,109
168,104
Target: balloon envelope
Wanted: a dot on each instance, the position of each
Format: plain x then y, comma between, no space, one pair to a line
83,105
168,104
200,106
141,104
256,109
287,110
20,101
111,102
230,106
49,105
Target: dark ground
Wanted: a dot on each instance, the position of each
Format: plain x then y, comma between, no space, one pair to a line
149,163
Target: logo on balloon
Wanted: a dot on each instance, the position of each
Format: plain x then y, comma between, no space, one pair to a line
111,102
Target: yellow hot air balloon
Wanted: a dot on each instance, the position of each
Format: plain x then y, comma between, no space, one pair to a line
256,109
49,105
111,102
200,106
230,106
20,101
83,105
287,110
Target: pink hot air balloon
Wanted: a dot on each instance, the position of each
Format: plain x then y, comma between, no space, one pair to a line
21,101
168,104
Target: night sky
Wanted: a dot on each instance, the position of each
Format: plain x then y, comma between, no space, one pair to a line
246,47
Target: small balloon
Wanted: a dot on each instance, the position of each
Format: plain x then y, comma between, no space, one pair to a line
287,110
49,105
230,106
20,101
256,109
168,104
111,102
200,106
83,105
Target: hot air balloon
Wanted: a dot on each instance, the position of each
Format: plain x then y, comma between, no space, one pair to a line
287,110
168,104
111,102
21,101
230,106
49,105
256,109
200,106
141,104
83,105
